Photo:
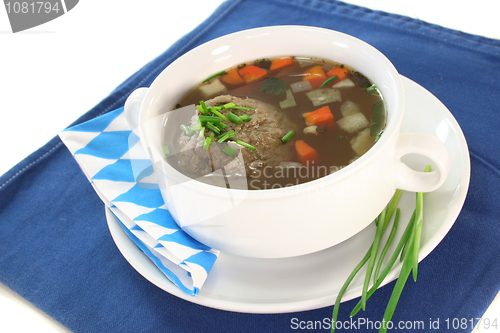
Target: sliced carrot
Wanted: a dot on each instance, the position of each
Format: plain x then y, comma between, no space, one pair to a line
232,77
306,153
315,75
280,63
320,117
252,73
339,72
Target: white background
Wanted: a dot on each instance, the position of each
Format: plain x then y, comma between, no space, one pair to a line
52,74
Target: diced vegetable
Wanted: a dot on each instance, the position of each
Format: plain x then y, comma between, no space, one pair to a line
315,76
215,75
289,100
348,108
306,153
339,72
300,86
362,142
274,86
378,118
252,73
311,130
212,89
344,84
287,136
353,123
233,78
320,117
324,96
280,63
234,118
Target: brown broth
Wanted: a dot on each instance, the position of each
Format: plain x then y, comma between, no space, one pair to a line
333,146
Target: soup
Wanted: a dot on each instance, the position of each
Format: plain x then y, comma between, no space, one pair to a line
276,123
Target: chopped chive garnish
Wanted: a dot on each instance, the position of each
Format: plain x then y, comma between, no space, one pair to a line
205,109
206,145
204,119
227,135
199,108
245,118
228,105
287,136
341,137
244,144
217,113
333,78
212,127
231,105
240,108
215,75
166,151
234,118
196,127
187,131
229,151
202,132
372,90
221,125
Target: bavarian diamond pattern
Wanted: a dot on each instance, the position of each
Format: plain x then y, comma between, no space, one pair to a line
110,155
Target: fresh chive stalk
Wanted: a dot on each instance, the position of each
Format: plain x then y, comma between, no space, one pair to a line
390,264
333,78
244,144
287,136
213,76
407,247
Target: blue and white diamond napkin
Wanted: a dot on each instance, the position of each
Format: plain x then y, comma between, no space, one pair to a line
110,154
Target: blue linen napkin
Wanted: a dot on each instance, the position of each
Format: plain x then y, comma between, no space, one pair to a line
111,155
56,251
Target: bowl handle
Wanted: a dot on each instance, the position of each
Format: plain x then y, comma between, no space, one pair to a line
133,106
425,145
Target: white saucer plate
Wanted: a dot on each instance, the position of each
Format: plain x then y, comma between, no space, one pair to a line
313,281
